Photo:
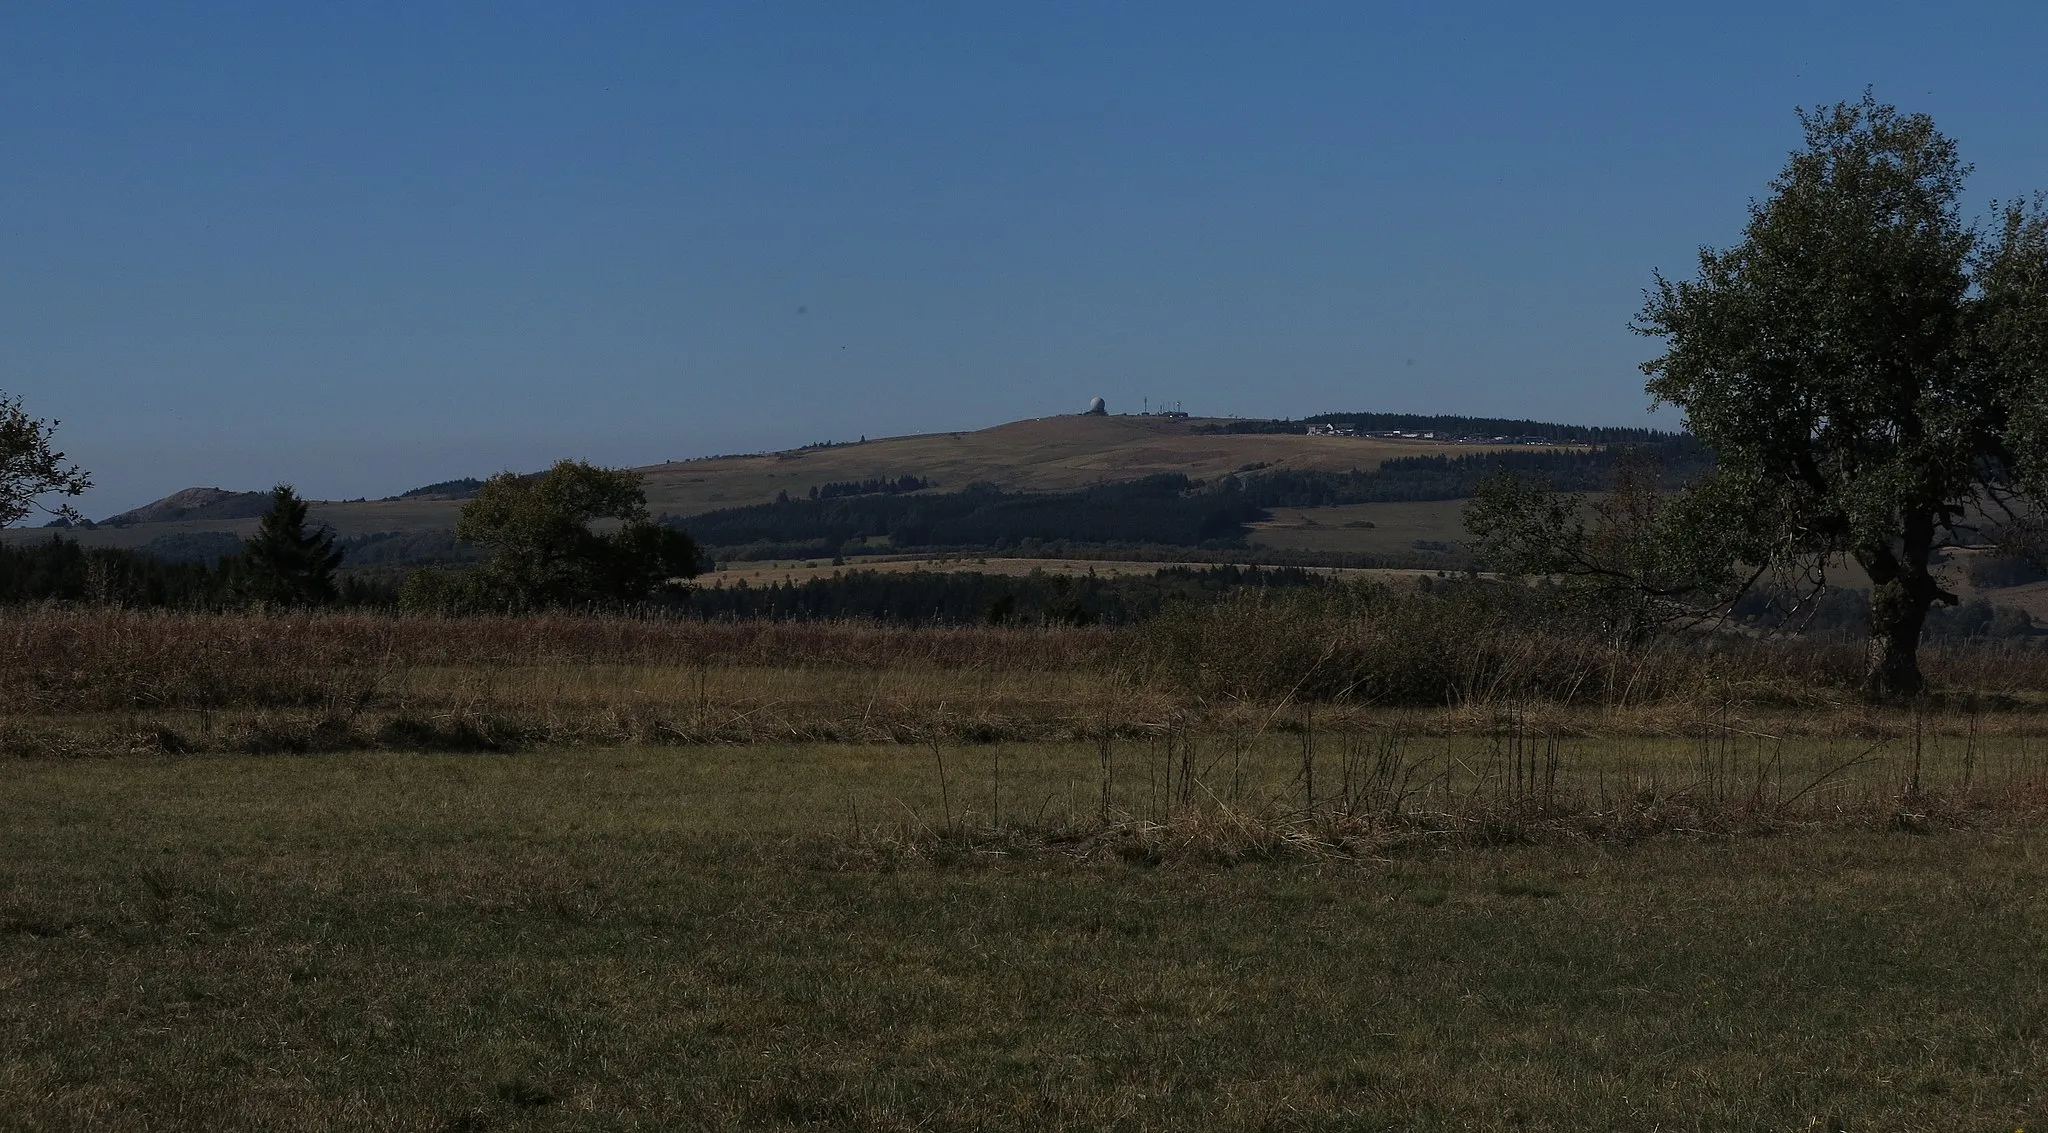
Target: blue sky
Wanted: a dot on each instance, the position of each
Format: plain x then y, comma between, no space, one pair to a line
365,246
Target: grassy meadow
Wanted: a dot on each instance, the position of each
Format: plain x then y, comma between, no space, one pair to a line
344,871
766,936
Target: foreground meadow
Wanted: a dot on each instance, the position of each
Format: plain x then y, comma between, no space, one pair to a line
1372,861
784,936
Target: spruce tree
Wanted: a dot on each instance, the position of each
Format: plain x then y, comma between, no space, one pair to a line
284,563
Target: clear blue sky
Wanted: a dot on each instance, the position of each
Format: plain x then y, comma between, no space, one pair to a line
365,246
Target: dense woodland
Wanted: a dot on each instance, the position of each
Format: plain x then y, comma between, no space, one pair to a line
1678,459
60,570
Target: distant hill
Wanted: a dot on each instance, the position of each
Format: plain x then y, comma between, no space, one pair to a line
1042,454
194,503
1057,454
463,489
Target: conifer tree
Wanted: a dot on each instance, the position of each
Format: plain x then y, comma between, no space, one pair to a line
286,564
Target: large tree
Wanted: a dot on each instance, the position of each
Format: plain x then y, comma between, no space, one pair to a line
30,469
1871,372
286,563
576,533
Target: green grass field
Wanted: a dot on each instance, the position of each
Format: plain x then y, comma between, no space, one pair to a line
720,937
1380,529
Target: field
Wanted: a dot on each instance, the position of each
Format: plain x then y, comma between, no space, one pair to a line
264,872
744,937
1380,529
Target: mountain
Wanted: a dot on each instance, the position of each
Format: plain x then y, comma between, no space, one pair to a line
195,503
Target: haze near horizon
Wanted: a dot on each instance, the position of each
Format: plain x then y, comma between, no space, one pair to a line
363,249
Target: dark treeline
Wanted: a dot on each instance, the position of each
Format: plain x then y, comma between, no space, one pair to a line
1167,509
465,488
1450,426
1678,460
406,548
206,547
962,597
838,488
383,548
60,570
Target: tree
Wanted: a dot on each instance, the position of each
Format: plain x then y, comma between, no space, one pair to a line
285,564
545,550
30,469
1615,557
1869,371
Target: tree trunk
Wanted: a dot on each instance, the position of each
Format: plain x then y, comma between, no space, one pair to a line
1902,587
1892,658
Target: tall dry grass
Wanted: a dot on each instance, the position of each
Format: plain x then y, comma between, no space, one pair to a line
97,659
1481,646
105,679
1394,786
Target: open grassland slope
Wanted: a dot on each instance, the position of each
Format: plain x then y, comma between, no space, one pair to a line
1044,454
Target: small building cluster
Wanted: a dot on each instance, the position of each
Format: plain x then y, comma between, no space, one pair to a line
1422,435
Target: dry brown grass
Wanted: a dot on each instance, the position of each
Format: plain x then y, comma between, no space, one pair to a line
83,681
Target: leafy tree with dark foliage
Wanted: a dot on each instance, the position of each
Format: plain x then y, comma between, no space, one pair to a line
284,563
30,469
539,532
1869,371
